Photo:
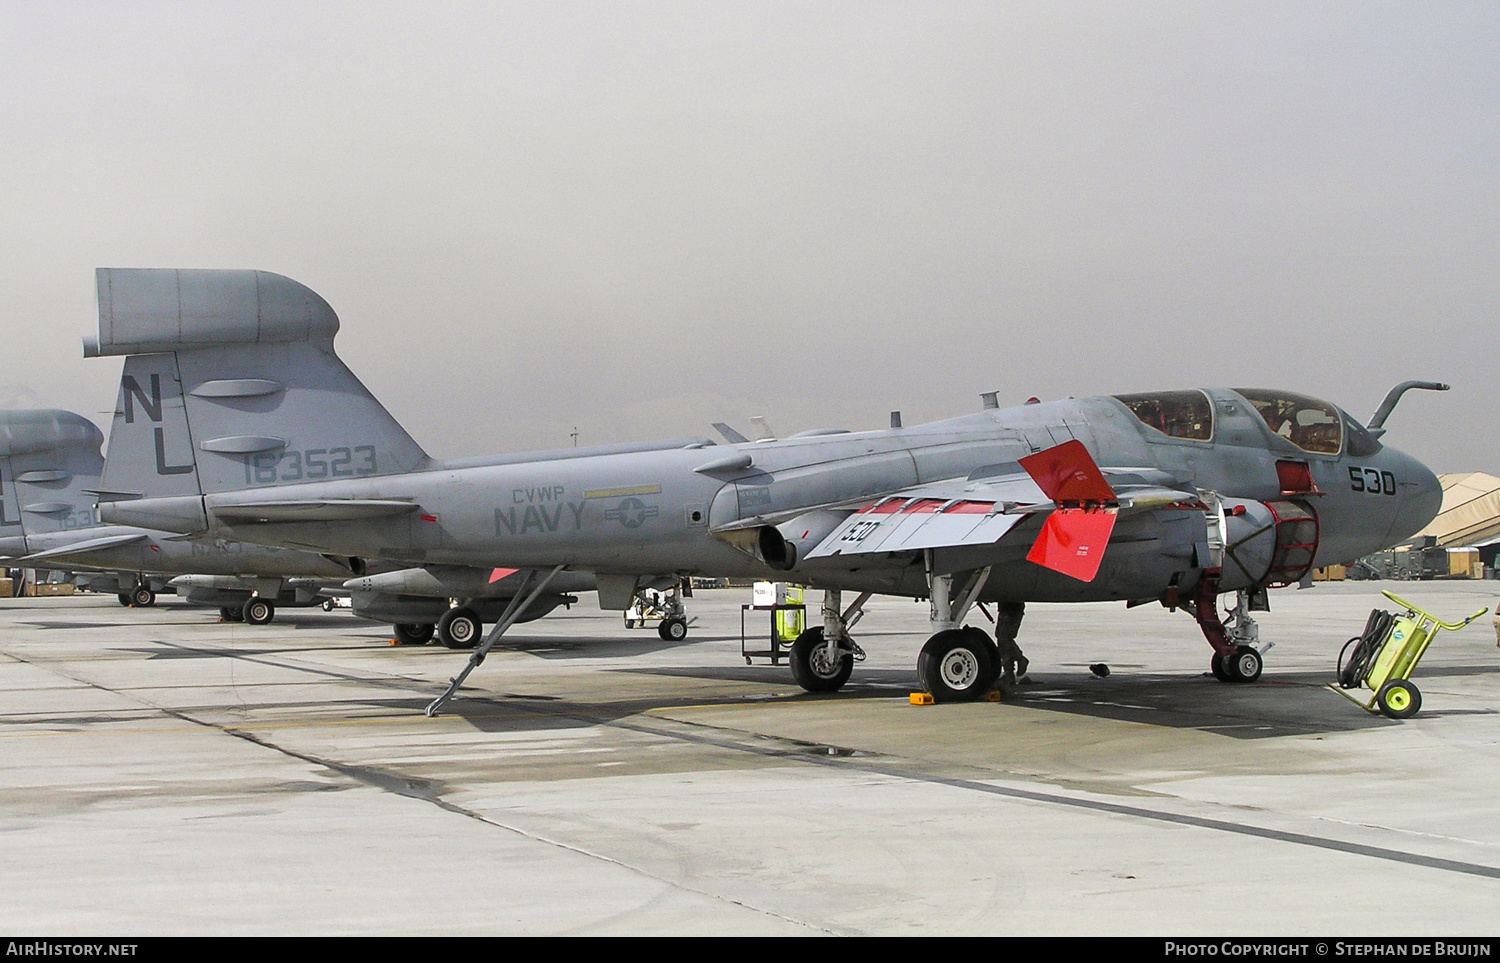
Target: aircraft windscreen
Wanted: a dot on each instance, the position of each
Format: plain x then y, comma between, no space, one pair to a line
1361,443
1179,414
1310,424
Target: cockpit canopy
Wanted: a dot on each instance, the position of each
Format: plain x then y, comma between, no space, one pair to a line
1312,425
1177,414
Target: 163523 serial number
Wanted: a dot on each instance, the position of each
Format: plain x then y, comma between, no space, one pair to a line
312,464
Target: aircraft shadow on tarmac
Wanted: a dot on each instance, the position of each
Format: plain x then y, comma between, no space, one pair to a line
1287,704
586,647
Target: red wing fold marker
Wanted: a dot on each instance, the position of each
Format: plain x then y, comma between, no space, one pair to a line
1073,538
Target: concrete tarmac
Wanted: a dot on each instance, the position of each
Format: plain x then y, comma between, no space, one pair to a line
167,774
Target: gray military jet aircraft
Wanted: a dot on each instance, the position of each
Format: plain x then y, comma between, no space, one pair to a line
258,431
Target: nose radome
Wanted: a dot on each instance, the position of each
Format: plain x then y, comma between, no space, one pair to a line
1421,498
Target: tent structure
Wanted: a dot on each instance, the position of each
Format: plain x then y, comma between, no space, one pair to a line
1470,515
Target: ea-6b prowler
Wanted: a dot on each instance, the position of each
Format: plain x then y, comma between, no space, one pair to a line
1175,497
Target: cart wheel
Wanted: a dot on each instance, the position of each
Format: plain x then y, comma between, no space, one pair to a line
630,623
1399,699
1245,665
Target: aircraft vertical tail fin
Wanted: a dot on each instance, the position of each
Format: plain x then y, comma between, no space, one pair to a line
49,462
231,382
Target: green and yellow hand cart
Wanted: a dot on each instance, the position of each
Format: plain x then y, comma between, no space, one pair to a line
1385,655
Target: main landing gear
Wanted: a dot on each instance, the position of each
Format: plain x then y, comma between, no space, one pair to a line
414,633
958,664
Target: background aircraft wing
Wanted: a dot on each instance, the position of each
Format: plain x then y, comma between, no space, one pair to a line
82,547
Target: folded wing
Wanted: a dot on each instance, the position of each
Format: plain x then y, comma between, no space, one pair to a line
1063,482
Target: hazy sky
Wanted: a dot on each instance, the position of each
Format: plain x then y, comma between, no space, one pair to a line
642,218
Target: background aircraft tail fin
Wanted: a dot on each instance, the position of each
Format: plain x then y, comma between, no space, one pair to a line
49,462
230,382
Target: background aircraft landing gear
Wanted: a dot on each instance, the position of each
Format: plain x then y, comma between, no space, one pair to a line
259,612
663,607
460,628
415,633
811,667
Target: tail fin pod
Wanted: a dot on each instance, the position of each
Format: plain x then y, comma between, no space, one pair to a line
232,382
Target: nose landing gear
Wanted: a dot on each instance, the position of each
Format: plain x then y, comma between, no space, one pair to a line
1234,639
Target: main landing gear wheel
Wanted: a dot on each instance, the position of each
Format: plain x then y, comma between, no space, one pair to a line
673,629
811,667
124,598
460,628
232,613
1216,666
414,633
142,598
1399,699
259,612
957,665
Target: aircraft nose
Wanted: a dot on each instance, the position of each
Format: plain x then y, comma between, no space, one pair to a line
1420,496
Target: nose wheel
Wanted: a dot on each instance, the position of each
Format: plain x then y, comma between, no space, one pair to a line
1235,658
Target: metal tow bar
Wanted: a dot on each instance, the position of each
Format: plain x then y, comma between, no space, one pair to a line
512,613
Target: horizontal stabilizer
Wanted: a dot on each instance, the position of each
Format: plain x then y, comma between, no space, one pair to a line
85,547
312,510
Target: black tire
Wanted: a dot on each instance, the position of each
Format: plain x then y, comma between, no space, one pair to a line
328,605
259,612
460,628
224,614
142,598
414,633
629,622
672,630
1245,665
809,662
236,613
1216,666
982,637
124,598
1399,699
954,666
